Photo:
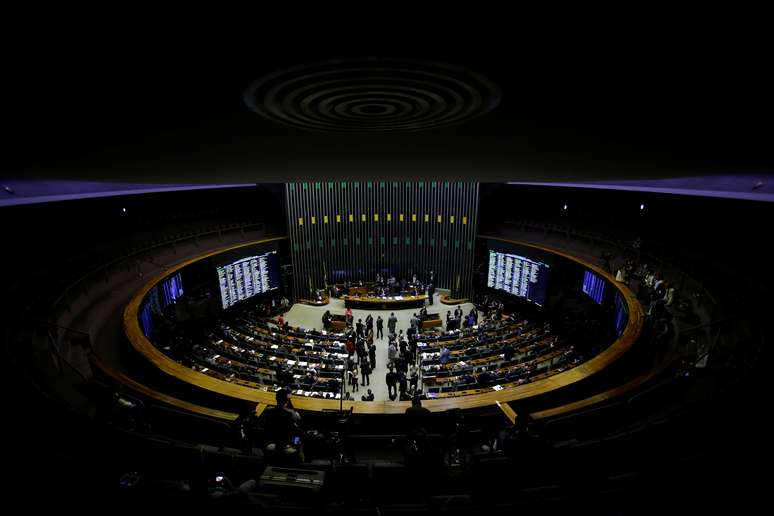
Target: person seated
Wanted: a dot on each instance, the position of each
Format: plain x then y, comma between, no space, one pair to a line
445,355
484,378
508,351
368,397
281,428
417,417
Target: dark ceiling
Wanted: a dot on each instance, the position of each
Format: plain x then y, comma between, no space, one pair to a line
126,106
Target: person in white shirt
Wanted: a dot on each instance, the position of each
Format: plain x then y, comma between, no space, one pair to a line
669,296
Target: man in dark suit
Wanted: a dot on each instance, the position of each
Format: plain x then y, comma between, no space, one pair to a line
417,416
372,355
392,379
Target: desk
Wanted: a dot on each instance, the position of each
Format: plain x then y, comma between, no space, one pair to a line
432,320
384,303
338,323
448,300
315,302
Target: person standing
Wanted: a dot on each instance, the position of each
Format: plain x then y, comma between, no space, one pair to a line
402,345
369,323
413,377
379,328
392,352
372,355
430,292
392,322
355,379
402,383
392,379
365,370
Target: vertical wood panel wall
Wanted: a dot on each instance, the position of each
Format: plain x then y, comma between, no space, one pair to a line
352,230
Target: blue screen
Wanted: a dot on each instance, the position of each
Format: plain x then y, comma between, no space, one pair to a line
158,298
518,275
171,289
146,318
621,315
593,286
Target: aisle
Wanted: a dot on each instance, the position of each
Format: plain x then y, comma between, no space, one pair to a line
311,317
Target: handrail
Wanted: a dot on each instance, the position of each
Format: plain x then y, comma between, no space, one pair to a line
134,253
562,379
621,244
601,398
124,380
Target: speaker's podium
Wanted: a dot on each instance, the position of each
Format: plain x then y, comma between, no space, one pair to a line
292,481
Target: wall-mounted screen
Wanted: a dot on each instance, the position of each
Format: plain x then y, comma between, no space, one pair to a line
170,289
518,275
594,286
146,318
621,314
158,299
247,277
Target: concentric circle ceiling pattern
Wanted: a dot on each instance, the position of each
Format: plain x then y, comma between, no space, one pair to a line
372,95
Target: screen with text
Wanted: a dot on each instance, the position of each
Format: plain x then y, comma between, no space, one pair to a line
518,275
248,277
593,286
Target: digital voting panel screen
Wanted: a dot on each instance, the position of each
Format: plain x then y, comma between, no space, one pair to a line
158,299
518,275
248,277
593,286
621,314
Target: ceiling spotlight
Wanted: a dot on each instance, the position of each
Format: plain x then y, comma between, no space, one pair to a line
565,206
123,210
642,206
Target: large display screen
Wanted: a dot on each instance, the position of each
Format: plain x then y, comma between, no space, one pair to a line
518,275
170,289
158,299
621,314
593,286
248,277
146,318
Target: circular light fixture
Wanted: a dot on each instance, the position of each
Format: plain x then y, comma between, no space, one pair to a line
372,95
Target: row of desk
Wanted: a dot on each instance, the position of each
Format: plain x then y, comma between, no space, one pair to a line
384,303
